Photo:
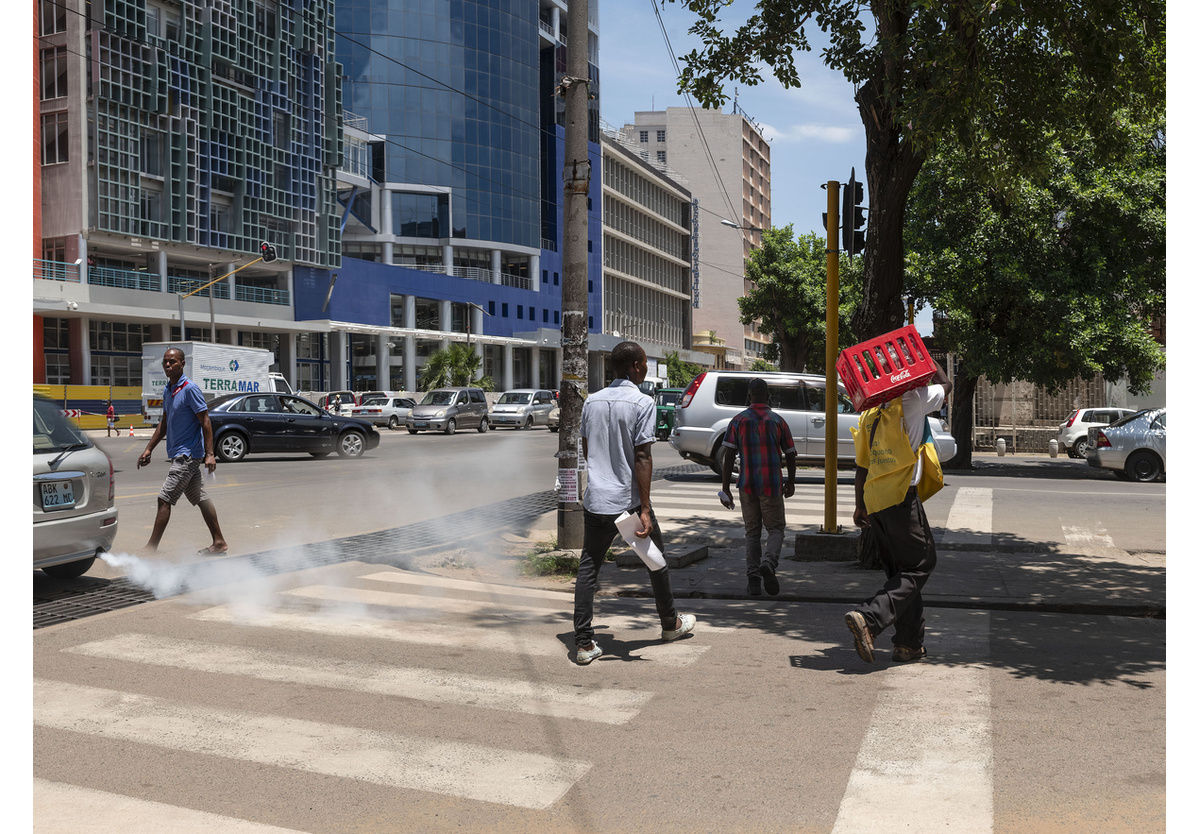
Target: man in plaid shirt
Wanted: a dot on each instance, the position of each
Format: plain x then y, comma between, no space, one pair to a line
763,440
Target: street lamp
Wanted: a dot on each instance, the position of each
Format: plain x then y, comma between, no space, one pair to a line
733,225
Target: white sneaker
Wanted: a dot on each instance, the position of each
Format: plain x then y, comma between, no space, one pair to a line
686,623
585,656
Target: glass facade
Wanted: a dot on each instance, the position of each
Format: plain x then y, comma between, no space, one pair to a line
454,85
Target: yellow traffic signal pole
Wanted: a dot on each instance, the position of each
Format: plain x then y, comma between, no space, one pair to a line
831,343
268,255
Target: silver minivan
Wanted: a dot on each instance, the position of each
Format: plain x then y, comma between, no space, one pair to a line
715,397
523,408
448,409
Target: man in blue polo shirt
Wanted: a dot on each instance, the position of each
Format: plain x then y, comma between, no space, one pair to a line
188,433
617,429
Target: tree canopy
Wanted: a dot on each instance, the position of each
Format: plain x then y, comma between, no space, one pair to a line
789,279
986,77
1048,279
456,365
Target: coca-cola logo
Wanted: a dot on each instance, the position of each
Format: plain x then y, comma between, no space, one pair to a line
905,374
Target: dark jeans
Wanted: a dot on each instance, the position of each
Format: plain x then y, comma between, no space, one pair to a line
598,534
908,555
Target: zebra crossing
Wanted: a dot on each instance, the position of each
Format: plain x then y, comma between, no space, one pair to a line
247,644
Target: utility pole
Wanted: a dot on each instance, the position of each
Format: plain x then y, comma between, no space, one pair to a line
831,352
576,182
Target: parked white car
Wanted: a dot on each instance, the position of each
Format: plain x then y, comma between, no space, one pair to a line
384,411
1073,432
1133,448
713,399
74,516
523,408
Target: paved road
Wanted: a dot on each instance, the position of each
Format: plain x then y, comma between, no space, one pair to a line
364,698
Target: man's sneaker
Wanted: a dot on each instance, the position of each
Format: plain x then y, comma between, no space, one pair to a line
907,654
754,586
686,623
585,656
770,583
864,644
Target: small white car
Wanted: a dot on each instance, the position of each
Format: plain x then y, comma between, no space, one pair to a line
1073,432
384,411
74,517
523,408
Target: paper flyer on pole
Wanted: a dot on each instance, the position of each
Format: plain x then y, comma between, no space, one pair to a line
627,526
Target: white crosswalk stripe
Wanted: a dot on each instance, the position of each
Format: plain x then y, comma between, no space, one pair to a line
469,771
607,706
676,503
926,759
970,519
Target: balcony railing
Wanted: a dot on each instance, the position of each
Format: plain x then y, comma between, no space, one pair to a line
487,276
262,295
55,271
521,281
126,279
187,285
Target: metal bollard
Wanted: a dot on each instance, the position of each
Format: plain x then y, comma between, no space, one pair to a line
1053,448
1000,447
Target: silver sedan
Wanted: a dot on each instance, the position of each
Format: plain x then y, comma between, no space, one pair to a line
1134,448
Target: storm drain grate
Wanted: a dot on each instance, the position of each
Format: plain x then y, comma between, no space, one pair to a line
393,546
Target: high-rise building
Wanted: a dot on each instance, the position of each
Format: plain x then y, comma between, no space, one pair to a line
648,259
727,164
174,137
453,220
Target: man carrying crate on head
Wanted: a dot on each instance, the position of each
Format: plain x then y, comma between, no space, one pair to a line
896,469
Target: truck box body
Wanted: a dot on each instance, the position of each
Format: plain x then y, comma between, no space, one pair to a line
217,369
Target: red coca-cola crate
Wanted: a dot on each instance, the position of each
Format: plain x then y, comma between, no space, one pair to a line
885,367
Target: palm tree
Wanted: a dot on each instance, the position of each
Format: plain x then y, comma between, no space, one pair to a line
456,365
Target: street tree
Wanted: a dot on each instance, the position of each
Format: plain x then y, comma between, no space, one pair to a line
679,371
788,276
456,365
985,76
1049,279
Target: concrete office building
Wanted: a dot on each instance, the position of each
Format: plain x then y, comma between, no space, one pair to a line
727,163
649,279
173,137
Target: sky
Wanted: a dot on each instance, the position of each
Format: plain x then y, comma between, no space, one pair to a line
815,131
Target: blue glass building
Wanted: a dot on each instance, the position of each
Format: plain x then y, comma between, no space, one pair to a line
451,189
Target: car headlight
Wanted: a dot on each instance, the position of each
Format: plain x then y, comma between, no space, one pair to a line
441,413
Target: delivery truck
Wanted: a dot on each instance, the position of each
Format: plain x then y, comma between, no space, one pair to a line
217,369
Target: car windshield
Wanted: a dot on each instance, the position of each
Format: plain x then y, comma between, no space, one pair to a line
669,397
52,432
439,398
512,398
375,401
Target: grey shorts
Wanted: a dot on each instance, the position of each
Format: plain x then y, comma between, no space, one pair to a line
184,479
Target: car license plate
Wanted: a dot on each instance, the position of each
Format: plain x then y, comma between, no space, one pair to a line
420,425
57,495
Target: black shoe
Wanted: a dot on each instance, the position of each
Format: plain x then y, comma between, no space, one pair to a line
754,586
770,583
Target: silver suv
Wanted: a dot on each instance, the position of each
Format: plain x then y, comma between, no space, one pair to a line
715,397
447,409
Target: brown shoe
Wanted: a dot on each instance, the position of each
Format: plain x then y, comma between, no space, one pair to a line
864,643
907,654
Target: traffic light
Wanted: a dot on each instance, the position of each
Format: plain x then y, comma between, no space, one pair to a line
854,217
268,252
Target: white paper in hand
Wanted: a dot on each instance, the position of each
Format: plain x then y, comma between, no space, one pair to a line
628,525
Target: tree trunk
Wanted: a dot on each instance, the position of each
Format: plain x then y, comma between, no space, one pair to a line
962,420
892,164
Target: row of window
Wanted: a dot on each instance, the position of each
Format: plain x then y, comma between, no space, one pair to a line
644,136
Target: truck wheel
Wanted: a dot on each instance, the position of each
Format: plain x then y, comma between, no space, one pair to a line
232,447
351,445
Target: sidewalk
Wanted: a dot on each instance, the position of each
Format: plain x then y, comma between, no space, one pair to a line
1096,581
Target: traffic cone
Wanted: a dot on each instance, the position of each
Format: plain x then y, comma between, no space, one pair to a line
131,429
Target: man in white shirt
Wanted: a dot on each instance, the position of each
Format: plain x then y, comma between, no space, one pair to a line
617,428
